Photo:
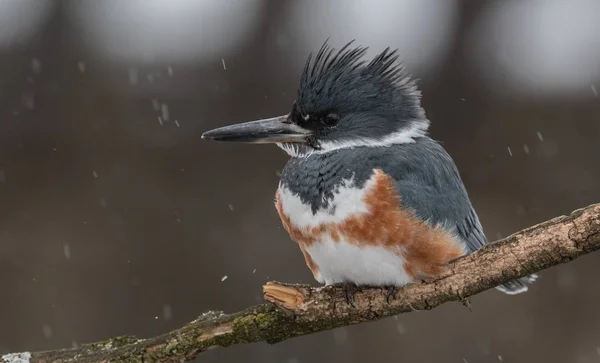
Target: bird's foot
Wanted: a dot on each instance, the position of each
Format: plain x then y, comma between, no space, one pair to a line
391,294
349,290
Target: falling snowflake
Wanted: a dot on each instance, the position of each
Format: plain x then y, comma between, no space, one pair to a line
133,76
164,109
47,330
401,329
67,251
167,312
36,65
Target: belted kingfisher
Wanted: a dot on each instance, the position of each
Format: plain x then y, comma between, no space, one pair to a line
370,199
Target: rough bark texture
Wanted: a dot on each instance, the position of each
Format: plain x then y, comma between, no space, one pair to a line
295,310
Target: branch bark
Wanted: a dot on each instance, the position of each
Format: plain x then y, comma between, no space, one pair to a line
294,310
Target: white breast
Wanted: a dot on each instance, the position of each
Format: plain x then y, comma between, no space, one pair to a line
346,202
361,262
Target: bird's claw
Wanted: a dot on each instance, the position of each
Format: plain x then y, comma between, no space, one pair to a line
391,294
349,290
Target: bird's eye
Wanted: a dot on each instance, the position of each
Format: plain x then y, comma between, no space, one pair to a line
330,120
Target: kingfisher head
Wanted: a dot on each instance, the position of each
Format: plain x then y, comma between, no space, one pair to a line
343,101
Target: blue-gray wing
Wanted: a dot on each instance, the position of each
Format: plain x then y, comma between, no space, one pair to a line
430,185
446,204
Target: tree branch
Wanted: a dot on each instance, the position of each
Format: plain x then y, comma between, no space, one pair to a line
294,310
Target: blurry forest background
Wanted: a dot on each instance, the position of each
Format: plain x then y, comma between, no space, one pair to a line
116,219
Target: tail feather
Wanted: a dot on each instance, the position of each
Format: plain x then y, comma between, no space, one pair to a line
517,286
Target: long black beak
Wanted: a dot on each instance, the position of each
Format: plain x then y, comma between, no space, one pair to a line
272,130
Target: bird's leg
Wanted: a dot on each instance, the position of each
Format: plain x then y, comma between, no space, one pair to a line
392,290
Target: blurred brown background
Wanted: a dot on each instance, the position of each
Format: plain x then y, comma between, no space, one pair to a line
116,219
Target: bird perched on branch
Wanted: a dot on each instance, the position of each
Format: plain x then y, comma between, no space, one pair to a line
370,199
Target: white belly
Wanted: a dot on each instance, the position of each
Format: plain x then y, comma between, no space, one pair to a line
363,265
